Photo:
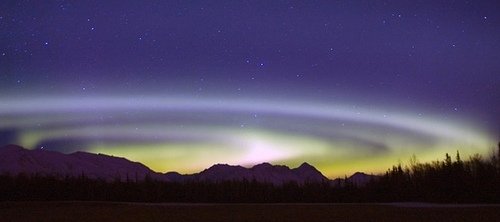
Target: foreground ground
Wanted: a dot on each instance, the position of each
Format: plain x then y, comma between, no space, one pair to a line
102,211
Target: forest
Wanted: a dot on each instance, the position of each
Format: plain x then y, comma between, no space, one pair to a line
450,180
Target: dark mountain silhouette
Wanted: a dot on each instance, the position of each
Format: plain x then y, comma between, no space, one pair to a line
175,177
15,160
309,173
37,174
357,179
361,179
264,172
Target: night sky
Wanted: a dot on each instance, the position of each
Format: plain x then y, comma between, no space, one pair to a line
180,85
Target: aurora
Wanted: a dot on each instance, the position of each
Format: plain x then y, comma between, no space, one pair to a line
190,134
179,86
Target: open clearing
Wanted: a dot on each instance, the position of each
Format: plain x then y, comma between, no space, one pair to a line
110,211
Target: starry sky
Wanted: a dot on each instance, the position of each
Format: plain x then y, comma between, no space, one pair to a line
181,85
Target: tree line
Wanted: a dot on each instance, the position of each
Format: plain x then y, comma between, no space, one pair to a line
450,180
476,179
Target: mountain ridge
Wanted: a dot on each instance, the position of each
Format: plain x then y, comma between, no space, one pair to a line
15,160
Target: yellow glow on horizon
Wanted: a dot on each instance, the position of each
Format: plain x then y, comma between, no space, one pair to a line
288,133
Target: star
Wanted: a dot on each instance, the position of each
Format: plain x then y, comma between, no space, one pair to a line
312,56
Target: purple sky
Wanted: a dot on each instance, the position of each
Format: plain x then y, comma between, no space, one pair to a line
424,58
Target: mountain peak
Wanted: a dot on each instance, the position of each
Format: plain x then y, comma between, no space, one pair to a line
268,166
15,160
306,165
360,178
223,168
358,174
264,172
220,166
263,165
309,173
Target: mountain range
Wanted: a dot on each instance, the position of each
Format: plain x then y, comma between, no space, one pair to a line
264,172
15,160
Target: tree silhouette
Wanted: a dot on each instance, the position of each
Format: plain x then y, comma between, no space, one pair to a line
464,181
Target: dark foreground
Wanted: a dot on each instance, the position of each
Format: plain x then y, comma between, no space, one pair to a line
103,211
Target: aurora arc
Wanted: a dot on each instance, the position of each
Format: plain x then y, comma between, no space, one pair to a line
188,134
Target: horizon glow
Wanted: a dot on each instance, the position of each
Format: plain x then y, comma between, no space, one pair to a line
190,134
181,85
